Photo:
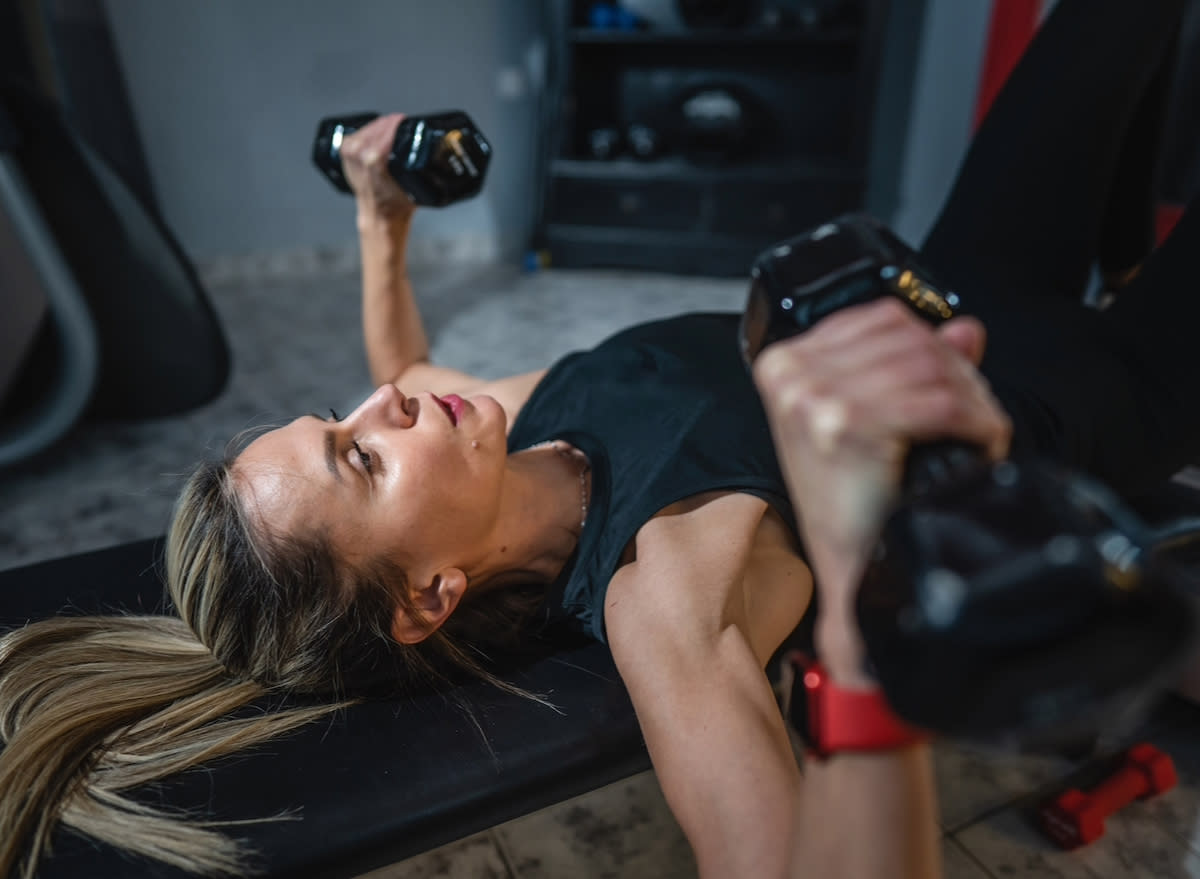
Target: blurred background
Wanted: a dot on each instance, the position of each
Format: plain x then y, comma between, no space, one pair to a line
222,98
173,269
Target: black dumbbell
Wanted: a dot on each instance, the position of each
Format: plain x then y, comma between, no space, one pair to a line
438,158
1016,603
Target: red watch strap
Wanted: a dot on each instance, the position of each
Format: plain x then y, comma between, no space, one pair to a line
847,720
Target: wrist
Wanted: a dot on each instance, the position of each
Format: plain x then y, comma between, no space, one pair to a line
843,654
838,639
832,716
388,217
383,240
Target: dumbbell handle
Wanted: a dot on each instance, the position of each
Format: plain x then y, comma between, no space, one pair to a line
932,463
1120,789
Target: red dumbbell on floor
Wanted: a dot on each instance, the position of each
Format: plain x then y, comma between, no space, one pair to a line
1075,818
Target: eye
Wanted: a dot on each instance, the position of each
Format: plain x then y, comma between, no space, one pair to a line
363,457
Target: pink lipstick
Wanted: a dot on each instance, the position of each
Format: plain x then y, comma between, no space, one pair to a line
453,404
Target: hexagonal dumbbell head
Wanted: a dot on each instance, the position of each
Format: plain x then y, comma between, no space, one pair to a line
1075,818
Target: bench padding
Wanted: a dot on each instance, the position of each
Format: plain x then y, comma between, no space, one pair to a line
383,781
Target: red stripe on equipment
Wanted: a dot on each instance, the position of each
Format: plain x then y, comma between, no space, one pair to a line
1165,219
1013,25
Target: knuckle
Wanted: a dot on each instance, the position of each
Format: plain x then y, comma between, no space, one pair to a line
928,367
830,422
895,310
794,402
800,395
946,406
776,366
898,316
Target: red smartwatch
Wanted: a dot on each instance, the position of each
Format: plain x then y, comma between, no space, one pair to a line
830,718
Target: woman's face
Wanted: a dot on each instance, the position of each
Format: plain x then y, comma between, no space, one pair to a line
412,479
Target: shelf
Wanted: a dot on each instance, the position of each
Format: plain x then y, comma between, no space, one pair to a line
715,38
680,169
807,95
606,247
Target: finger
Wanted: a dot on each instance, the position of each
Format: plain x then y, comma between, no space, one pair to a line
851,326
946,414
967,335
384,127
374,139
831,351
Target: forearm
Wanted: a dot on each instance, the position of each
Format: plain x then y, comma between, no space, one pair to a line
870,816
728,773
393,332
885,801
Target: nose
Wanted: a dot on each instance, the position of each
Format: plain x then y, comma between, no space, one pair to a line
387,406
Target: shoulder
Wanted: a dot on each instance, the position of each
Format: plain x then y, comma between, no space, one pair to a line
717,561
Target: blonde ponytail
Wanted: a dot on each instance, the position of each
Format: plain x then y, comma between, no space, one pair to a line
91,707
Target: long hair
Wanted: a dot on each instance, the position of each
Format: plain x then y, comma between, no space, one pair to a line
92,707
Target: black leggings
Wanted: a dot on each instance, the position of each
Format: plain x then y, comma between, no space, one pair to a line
1061,176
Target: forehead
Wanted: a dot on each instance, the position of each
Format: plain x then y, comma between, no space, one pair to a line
282,475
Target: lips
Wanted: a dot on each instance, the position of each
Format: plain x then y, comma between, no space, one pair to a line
453,404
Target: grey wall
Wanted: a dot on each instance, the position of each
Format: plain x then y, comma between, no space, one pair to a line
953,45
227,94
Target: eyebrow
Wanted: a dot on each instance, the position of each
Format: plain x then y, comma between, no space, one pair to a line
331,455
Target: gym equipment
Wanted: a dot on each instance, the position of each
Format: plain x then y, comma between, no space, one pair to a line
714,13
644,142
718,124
438,158
67,54
767,14
42,289
129,330
612,16
1013,603
604,143
1075,818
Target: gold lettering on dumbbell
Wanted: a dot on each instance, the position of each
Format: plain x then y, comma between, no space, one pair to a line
921,296
455,154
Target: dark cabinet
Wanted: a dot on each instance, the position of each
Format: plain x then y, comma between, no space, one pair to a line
690,143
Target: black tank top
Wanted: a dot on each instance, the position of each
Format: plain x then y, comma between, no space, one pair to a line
664,411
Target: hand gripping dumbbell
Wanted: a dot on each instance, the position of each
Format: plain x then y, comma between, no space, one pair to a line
437,158
1012,603
1075,818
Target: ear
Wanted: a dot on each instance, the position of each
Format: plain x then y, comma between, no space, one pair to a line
435,601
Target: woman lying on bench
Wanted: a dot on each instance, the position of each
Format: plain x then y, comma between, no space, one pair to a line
634,491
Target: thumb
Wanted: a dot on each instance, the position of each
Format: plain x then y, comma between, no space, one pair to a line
966,335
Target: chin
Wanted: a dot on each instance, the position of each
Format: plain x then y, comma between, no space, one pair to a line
491,413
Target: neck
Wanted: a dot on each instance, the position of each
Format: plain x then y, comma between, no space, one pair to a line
546,494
